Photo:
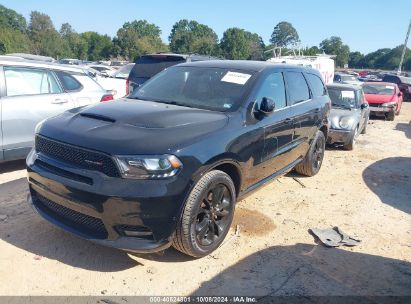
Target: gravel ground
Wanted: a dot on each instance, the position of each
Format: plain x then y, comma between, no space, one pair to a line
366,192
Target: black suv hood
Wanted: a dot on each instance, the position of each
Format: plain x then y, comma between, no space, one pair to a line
129,126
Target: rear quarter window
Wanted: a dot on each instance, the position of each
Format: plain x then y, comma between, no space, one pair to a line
68,82
317,85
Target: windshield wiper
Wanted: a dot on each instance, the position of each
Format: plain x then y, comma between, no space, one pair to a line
341,106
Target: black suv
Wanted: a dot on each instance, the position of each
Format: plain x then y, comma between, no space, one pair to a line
404,84
167,165
149,65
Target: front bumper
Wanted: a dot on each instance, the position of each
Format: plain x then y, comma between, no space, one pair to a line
132,215
380,109
342,137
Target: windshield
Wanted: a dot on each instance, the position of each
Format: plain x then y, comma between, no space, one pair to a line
379,89
348,78
214,89
342,98
124,71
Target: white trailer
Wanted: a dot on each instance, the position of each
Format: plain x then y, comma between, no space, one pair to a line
323,63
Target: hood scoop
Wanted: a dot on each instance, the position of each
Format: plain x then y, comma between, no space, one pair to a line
98,117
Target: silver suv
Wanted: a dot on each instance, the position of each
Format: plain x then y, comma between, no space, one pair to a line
31,91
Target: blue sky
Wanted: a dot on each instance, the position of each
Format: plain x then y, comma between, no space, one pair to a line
364,25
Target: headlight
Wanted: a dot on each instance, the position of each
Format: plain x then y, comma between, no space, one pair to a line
148,166
346,122
38,126
389,104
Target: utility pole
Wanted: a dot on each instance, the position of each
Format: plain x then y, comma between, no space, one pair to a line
404,49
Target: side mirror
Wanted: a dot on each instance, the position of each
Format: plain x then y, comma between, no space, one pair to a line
364,106
400,94
267,106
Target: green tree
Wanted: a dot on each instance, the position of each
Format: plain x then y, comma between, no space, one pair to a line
193,37
98,46
373,57
356,60
335,46
74,42
311,51
257,46
13,41
235,44
11,19
407,65
13,32
284,35
138,37
391,60
45,39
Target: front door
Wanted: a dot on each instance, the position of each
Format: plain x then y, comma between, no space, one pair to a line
278,127
31,95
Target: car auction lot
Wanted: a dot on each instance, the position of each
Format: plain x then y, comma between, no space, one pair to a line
365,192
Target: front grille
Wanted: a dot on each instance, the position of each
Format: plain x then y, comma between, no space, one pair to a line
64,173
88,225
83,158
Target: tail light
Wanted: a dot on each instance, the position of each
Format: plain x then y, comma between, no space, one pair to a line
127,87
106,97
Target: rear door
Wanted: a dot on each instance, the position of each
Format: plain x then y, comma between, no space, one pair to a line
304,113
82,88
31,95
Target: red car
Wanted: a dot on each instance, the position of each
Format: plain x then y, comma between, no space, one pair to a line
384,98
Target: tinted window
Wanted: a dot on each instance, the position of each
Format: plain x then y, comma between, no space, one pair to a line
297,87
28,81
215,89
390,78
317,85
148,66
273,87
69,82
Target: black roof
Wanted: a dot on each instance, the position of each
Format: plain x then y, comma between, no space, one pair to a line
247,65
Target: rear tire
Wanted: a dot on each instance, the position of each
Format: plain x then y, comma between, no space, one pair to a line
312,162
207,215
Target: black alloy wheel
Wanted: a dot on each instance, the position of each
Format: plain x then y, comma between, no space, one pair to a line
213,215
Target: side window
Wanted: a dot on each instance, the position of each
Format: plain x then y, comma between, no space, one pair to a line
317,85
360,97
297,87
273,87
22,81
69,82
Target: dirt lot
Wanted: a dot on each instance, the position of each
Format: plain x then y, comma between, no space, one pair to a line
366,192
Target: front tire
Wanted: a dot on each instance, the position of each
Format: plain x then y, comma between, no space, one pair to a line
314,158
207,215
390,116
350,146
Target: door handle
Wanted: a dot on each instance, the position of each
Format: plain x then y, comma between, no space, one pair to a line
59,101
288,121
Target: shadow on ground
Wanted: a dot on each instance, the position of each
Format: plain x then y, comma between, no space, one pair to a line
390,179
305,269
25,229
12,166
404,127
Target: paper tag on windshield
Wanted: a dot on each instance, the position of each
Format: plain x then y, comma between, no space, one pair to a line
347,94
234,77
